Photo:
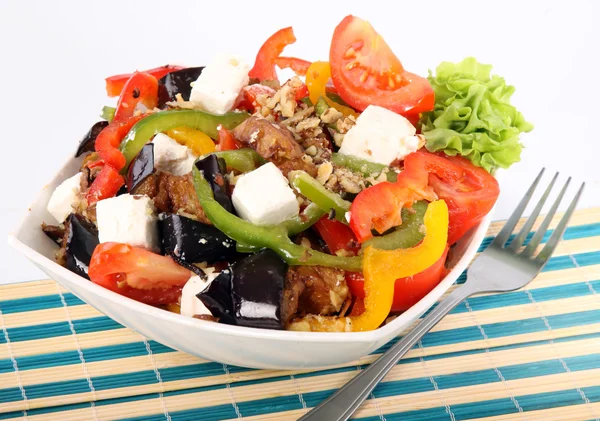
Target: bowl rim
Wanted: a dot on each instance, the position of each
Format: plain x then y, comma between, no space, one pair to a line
395,327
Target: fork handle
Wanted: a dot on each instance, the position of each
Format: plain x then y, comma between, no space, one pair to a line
342,404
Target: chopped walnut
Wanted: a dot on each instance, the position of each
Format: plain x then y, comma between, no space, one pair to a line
311,150
331,115
343,125
309,123
344,180
324,172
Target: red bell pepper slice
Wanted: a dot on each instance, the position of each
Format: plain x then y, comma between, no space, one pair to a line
109,139
264,66
337,236
141,88
298,65
115,84
226,141
137,273
106,184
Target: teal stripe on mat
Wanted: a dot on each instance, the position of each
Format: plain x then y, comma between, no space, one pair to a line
383,390
43,302
453,336
51,330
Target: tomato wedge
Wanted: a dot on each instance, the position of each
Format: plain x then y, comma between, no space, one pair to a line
115,84
469,191
264,66
137,273
141,88
407,291
365,71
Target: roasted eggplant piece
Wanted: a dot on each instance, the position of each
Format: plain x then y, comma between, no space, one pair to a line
214,170
178,82
254,294
141,167
82,239
87,143
217,297
257,290
191,241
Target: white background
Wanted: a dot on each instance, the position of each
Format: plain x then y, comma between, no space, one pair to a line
56,54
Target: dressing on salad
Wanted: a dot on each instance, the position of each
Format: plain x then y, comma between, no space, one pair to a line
326,203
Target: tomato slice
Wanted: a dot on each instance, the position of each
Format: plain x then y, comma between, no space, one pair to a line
407,291
337,236
141,88
299,66
137,273
226,141
365,71
264,66
469,191
115,84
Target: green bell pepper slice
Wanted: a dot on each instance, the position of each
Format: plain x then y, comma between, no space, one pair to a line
243,160
316,193
108,113
274,237
407,235
162,121
366,168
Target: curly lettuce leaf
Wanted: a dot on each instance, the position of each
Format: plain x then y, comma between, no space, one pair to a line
473,116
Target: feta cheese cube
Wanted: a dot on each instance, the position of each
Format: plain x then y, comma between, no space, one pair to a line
128,219
381,136
66,196
190,304
170,156
220,83
264,197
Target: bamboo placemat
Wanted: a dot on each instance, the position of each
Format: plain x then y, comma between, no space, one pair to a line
532,354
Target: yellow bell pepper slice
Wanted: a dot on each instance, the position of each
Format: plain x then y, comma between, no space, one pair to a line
381,268
199,142
317,76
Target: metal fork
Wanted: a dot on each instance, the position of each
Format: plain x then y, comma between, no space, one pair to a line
500,268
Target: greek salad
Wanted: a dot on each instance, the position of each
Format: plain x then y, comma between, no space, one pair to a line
328,202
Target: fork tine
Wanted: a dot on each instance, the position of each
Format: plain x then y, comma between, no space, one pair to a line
556,236
541,231
522,235
510,224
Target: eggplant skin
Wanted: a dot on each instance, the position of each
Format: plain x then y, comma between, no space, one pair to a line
88,141
178,82
214,170
190,241
217,297
141,167
81,241
250,292
257,290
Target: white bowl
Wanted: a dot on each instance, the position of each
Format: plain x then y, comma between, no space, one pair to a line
242,346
